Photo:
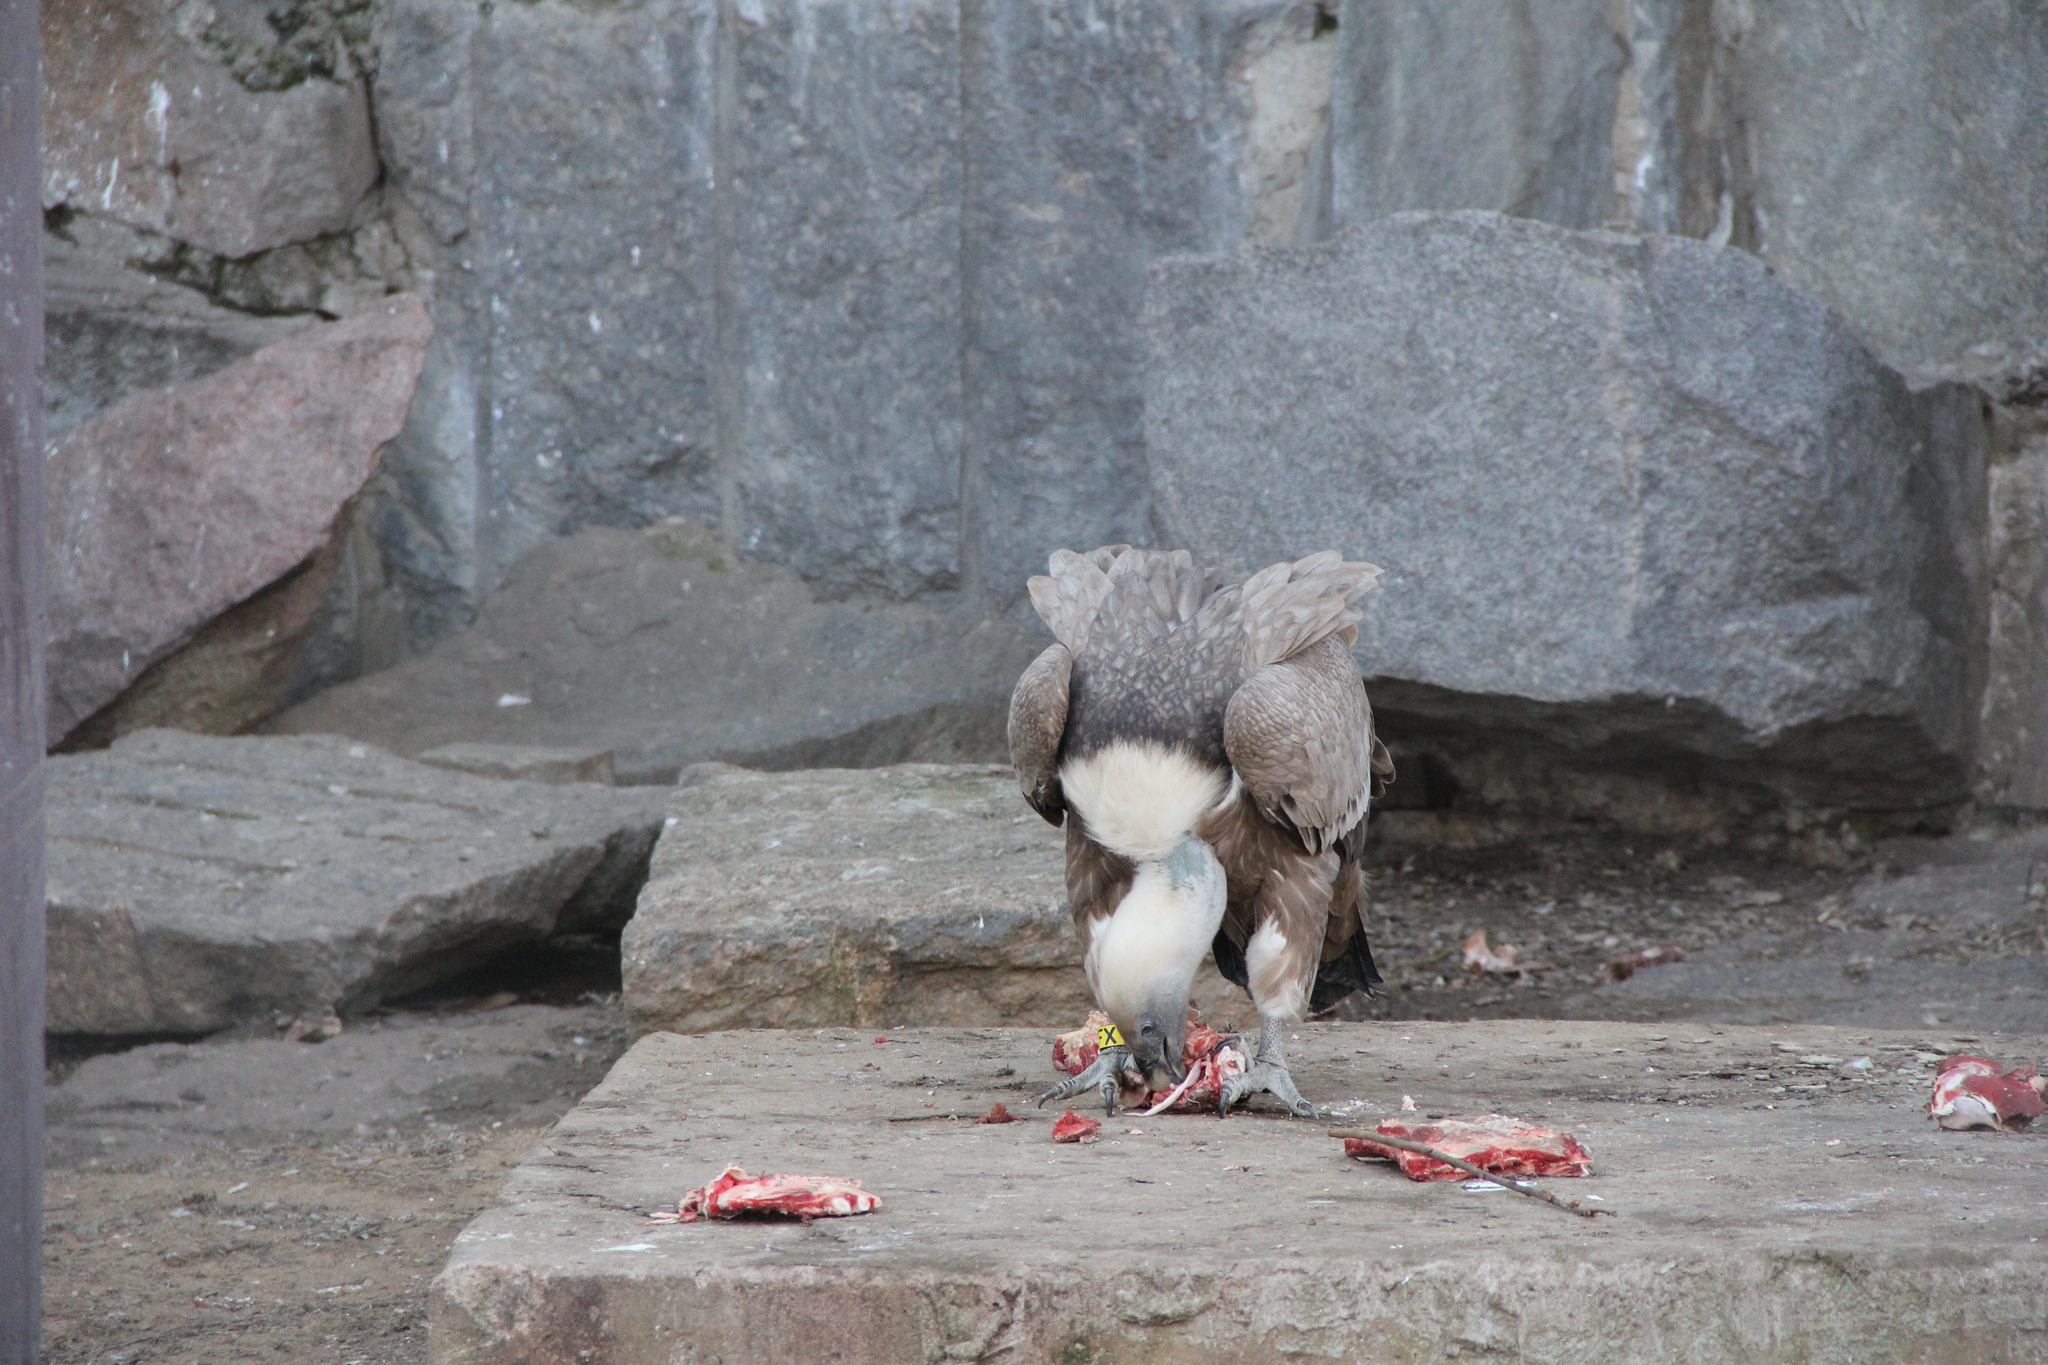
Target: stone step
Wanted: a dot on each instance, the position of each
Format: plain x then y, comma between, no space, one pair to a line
923,893
1772,1200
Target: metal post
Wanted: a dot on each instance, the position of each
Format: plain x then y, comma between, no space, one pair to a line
22,632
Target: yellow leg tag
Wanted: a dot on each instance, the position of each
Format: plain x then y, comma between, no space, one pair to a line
1107,1036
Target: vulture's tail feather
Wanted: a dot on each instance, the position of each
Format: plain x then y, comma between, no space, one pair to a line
1288,607
1068,598
1147,593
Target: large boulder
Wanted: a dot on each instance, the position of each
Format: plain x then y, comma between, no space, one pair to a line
893,897
1635,497
181,503
1884,156
148,124
198,881
112,331
663,647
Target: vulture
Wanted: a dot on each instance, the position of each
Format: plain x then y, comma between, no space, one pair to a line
1210,750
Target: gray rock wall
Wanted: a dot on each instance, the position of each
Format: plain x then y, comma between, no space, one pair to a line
181,503
841,246
145,125
2014,755
1885,156
855,283
562,159
1634,496
1474,106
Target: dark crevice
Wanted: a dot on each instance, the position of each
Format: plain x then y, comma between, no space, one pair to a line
567,969
64,1053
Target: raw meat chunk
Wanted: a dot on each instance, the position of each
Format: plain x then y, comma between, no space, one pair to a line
1975,1092
1072,1127
1207,1058
1493,1142
735,1192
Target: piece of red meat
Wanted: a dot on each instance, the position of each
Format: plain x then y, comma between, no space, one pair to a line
1207,1059
999,1114
1495,1143
735,1192
1074,1051
1976,1092
1072,1127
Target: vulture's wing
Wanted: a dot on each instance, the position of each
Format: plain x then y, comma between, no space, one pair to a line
1097,881
1038,718
1299,734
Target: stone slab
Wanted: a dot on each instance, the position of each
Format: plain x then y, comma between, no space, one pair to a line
525,762
1634,497
197,881
661,646
391,1074
1767,1209
910,895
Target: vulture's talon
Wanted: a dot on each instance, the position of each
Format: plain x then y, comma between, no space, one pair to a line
1268,1072
1105,1071
1271,1077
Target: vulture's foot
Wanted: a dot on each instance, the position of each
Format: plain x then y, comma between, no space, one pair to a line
1105,1072
1268,1072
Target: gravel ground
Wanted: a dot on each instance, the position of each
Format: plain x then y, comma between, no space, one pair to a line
285,1253
1574,907
246,1199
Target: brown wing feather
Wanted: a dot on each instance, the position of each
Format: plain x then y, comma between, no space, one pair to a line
1295,900
1288,607
1038,718
1246,845
1097,880
1299,734
1316,900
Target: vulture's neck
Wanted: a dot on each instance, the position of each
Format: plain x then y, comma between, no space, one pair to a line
1143,801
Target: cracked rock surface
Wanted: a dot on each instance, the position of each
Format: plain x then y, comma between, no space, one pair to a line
197,881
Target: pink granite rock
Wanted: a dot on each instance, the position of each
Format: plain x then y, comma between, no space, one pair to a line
177,505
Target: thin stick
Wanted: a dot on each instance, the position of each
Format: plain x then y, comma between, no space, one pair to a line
1504,1182
920,1118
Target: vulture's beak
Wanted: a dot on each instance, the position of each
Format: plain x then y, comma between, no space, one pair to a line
1156,1049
